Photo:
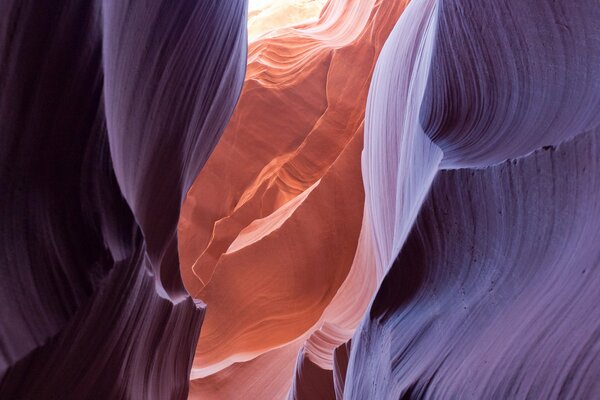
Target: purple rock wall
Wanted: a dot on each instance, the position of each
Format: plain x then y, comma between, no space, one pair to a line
492,292
108,111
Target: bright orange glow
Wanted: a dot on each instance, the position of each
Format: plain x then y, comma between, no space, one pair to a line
267,15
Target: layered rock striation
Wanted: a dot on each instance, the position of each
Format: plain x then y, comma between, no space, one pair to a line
481,184
108,112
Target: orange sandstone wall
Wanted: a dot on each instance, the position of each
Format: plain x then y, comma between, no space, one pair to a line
269,230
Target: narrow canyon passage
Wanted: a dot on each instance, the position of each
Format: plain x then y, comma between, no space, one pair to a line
299,199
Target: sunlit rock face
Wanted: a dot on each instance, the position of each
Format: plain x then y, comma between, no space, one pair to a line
273,251
266,16
108,112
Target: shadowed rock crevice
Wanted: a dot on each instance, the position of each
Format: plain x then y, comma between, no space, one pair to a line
109,110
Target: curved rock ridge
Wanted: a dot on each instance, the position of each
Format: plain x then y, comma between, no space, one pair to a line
266,376
491,266
287,54
527,78
340,368
109,110
258,251
501,269
311,381
264,16
399,161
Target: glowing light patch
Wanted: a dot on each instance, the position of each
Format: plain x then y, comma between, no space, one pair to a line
265,16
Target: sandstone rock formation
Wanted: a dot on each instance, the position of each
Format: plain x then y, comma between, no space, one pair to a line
403,204
108,111
272,252
481,171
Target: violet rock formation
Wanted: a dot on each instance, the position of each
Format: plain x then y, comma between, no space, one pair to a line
108,111
495,291
481,169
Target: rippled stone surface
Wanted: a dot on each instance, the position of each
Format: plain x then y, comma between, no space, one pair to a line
481,168
109,110
273,252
